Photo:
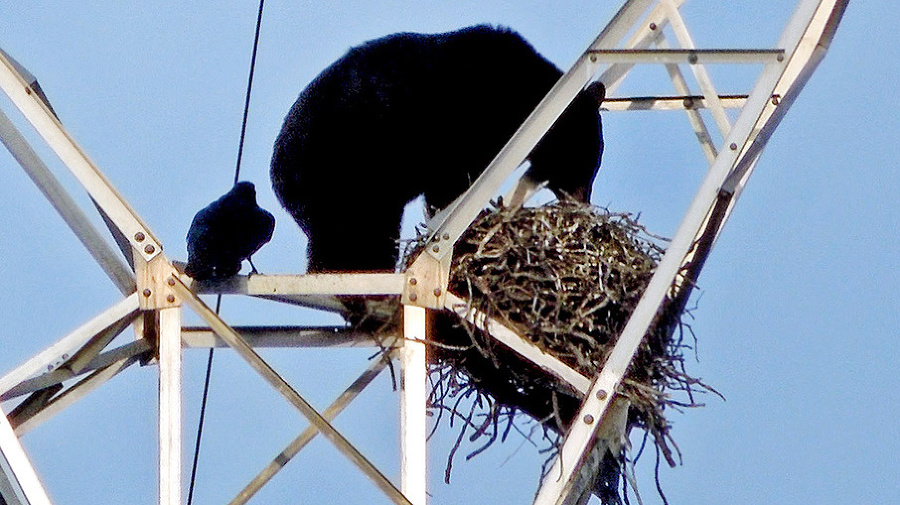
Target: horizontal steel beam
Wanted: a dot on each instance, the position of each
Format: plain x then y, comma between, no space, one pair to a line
289,393
310,284
678,102
690,56
328,303
280,336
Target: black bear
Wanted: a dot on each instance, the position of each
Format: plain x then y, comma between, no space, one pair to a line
412,113
226,232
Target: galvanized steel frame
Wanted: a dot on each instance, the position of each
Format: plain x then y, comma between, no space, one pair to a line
155,291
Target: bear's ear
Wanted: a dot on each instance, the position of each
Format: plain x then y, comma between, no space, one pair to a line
597,91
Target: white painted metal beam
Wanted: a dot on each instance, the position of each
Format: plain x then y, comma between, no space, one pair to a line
101,190
651,31
59,352
170,413
810,23
309,433
678,102
811,45
688,56
522,346
281,336
20,482
646,34
729,172
329,303
106,257
95,345
697,67
132,349
707,145
276,381
413,403
464,210
309,284
72,395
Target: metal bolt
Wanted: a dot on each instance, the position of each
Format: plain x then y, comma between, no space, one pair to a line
437,291
776,100
601,394
688,103
149,249
446,236
733,146
147,292
413,281
170,298
436,248
413,297
692,58
653,26
593,58
780,57
139,236
170,282
589,419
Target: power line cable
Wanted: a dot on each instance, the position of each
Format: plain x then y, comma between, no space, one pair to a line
237,169
237,173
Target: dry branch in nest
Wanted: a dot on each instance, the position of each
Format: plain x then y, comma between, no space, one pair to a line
567,277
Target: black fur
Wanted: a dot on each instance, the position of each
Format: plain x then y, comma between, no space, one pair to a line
409,114
226,232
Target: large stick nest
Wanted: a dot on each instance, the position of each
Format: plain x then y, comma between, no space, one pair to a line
567,277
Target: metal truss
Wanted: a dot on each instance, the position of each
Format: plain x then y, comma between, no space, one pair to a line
155,291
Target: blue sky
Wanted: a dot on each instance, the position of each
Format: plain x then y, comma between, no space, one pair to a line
797,319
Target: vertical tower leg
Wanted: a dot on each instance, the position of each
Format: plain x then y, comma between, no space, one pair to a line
19,483
413,470
170,406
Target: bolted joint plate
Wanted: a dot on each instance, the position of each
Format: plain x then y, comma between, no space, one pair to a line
155,283
145,245
426,281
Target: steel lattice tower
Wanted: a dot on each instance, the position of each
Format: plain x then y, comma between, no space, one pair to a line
155,292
